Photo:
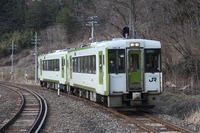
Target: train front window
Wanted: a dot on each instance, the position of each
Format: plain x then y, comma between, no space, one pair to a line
152,60
116,60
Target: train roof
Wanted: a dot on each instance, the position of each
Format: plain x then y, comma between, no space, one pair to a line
111,44
124,43
56,52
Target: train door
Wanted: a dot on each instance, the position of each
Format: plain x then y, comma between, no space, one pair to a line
70,63
116,71
101,63
40,67
66,68
62,67
134,67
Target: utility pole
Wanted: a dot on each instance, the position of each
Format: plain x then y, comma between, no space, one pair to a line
12,64
2,74
36,41
132,19
92,22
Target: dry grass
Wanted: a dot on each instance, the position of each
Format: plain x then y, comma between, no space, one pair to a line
179,105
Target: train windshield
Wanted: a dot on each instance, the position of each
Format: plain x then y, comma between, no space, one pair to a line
152,60
116,58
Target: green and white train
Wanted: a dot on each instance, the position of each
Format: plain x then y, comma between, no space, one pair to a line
117,73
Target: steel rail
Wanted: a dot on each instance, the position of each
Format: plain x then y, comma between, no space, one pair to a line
39,121
42,115
176,128
18,111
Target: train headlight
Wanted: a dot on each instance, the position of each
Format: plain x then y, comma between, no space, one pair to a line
135,44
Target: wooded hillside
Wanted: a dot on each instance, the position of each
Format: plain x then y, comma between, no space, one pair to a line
176,23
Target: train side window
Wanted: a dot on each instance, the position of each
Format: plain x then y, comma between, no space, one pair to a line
121,61
103,60
49,65
82,65
116,60
94,64
90,64
57,62
79,64
100,63
112,61
63,62
152,60
43,65
55,66
52,65
75,64
85,64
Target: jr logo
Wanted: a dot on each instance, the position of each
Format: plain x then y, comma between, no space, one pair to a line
152,79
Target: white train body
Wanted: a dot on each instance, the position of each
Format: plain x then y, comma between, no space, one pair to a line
121,72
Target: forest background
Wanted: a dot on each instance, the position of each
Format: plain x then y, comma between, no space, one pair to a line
62,23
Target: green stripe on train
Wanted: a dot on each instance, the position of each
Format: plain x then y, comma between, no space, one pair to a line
100,67
66,61
52,81
78,49
85,87
106,92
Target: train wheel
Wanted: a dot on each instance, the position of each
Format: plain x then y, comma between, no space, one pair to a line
93,96
87,94
41,84
45,84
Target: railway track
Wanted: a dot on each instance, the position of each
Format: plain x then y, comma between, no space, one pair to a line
154,124
29,114
145,121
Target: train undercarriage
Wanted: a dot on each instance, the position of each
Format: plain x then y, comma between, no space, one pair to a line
136,100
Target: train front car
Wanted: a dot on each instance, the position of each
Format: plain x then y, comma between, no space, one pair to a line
135,76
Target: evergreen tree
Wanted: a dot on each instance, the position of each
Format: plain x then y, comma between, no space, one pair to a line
42,14
11,15
6,15
70,21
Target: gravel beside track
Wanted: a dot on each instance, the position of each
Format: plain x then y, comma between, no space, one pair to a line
8,100
66,114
